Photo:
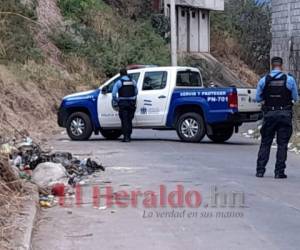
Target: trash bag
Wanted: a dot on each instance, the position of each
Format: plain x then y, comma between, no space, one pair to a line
47,174
63,158
7,149
93,166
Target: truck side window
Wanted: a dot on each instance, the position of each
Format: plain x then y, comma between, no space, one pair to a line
155,80
134,76
188,79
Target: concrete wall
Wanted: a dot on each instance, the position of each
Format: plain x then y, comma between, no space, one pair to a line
286,33
204,37
286,37
182,29
193,30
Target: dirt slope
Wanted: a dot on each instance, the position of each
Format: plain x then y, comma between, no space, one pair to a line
227,52
50,18
29,104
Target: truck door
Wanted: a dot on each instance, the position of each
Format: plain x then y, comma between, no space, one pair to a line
108,117
153,99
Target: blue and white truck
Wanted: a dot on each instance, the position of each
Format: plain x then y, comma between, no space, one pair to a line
170,98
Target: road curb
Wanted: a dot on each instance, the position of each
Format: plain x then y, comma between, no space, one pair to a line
30,210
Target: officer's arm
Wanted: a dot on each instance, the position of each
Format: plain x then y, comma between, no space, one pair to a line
294,89
260,89
115,91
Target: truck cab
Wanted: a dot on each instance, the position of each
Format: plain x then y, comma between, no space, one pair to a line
172,98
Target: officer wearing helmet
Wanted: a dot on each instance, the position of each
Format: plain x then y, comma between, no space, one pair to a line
277,92
124,97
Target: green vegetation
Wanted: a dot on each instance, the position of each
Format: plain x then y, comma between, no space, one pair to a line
95,37
17,24
249,23
107,40
77,8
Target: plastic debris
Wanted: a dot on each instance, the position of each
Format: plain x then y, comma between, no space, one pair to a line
51,171
47,174
7,149
18,161
58,189
47,201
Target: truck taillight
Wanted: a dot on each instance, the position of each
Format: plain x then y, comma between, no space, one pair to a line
233,100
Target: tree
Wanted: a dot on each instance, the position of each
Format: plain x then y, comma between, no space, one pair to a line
249,23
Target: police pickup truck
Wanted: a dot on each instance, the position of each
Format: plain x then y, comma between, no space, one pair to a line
170,98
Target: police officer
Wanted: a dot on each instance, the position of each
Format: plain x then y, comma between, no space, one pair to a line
277,91
124,95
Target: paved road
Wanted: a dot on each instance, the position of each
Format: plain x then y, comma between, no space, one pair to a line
270,218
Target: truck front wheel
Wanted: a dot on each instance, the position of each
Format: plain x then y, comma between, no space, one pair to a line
79,126
111,134
221,135
191,127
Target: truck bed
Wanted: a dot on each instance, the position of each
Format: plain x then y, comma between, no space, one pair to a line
247,100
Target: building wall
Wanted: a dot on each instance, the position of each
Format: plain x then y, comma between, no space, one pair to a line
201,4
286,38
286,33
182,29
204,26
193,30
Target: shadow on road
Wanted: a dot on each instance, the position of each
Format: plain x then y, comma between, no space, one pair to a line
93,140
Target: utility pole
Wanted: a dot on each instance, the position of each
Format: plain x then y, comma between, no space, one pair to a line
173,22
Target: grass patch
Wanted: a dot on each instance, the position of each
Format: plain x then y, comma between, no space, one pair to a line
75,9
16,29
108,41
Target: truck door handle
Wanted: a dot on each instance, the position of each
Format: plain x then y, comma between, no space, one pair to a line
162,97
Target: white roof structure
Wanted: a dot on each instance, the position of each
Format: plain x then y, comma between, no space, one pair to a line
201,4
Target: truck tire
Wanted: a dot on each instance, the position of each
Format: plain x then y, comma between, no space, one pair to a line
221,135
111,134
79,126
191,127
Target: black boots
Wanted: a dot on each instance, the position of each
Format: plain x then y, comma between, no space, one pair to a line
259,175
280,176
277,176
126,139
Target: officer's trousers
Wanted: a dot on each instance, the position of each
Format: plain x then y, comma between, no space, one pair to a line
276,123
126,114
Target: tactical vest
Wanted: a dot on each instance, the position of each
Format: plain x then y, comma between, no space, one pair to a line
127,90
276,93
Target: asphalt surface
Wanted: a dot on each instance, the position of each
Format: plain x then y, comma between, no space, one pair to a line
268,217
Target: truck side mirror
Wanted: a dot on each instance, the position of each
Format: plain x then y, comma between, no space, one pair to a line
104,90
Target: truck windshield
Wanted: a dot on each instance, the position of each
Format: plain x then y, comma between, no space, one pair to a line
188,79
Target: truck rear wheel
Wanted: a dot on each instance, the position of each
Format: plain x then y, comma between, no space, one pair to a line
191,127
79,126
111,134
221,135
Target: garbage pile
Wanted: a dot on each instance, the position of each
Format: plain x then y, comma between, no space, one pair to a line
46,168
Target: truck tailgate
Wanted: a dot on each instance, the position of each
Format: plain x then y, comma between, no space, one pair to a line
246,100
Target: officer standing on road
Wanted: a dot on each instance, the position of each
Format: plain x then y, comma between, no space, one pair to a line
124,95
276,91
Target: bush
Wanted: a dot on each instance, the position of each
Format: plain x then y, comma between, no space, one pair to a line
249,22
77,8
16,33
108,41
161,25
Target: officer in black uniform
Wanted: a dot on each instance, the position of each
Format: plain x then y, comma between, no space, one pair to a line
276,91
124,95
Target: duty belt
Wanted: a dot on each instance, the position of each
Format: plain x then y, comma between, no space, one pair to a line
276,108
